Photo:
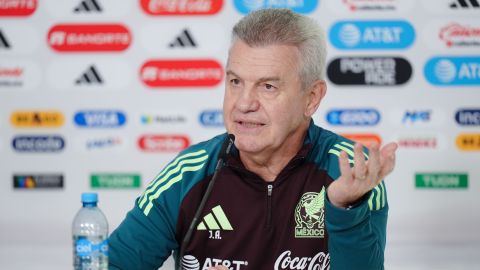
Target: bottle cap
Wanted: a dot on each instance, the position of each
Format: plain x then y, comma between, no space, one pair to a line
89,197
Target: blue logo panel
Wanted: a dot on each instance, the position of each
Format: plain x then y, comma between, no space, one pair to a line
38,143
445,71
372,35
468,117
211,118
100,119
299,6
353,117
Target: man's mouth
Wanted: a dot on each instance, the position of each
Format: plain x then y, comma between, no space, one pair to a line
250,124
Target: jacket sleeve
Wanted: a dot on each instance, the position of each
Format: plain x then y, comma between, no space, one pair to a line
357,236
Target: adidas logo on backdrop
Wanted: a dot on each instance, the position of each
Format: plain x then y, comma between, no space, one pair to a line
88,6
183,40
90,76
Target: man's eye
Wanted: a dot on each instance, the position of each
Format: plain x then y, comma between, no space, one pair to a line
235,81
269,86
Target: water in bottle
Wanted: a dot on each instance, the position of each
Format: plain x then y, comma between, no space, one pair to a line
90,233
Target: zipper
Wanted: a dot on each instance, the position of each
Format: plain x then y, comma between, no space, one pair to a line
269,205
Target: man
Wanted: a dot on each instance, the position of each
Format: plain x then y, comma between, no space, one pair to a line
290,194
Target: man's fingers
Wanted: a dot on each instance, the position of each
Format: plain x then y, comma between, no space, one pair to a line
374,161
344,164
359,169
387,156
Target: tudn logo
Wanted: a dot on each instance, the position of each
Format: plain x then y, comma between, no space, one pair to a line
369,71
468,117
372,35
182,7
90,76
17,7
181,73
459,35
183,40
464,4
87,6
453,71
163,143
89,37
212,118
100,119
353,117
52,143
299,6
28,181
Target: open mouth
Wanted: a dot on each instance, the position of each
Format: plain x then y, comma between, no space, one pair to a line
250,124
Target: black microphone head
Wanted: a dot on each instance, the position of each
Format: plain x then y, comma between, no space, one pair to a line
226,147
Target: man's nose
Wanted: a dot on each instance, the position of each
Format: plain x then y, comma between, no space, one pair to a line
248,100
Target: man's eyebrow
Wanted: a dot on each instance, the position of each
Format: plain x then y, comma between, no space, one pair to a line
262,79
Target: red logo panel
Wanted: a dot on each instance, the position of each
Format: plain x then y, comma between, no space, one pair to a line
89,37
163,143
17,7
181,7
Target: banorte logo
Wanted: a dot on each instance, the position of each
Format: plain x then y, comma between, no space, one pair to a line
181,7
181,73
89,37
299,6
453,70
163,143
17,7
37,119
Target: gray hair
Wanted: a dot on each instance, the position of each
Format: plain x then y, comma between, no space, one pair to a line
284,27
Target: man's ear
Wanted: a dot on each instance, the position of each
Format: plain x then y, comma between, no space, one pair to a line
315,93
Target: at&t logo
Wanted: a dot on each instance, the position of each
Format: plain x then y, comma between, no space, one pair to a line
453,71
189,262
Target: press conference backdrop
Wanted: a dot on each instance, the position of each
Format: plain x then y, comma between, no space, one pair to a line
98,95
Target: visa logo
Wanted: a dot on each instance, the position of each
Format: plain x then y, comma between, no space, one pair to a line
353,117
298,6
211,118
453,71
468,117
368,35
416,116
100,119
38,143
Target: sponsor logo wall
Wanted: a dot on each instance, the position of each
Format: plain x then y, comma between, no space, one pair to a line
102,94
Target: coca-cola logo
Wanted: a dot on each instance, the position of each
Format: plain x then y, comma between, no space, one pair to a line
163,143
181,7
181,73
17,7
321,261
89,37
457,34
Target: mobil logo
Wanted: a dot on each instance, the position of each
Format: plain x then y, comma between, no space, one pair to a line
181,7
353,117
299,6
211,118
17,8
89,37
100,118
163,143
453,70
468,117
372,35
44,143
181,73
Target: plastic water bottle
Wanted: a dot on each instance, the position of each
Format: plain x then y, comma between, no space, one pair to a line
90,233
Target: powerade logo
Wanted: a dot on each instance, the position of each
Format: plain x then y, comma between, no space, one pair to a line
372,35
369,71
100,119
446,70
299,6
211,118
353,117
38,143
468,117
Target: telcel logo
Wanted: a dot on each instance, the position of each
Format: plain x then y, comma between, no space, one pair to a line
37,119
181,7
453,71
89,37
468,141
353,117
468,117
358,35
299,6
163,143
52,143
181,73
17,7
212,118
100,119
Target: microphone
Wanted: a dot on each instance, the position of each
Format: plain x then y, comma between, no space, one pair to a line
222,157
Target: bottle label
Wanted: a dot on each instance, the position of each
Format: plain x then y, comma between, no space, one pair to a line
85,247
90,252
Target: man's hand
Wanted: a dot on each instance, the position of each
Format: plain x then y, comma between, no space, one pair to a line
355,182
219,267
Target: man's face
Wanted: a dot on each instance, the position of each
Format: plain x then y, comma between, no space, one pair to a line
264,105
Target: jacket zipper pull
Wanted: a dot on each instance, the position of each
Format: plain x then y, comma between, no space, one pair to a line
269,205
269,190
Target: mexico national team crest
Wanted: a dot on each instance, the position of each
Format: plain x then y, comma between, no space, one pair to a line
310,215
